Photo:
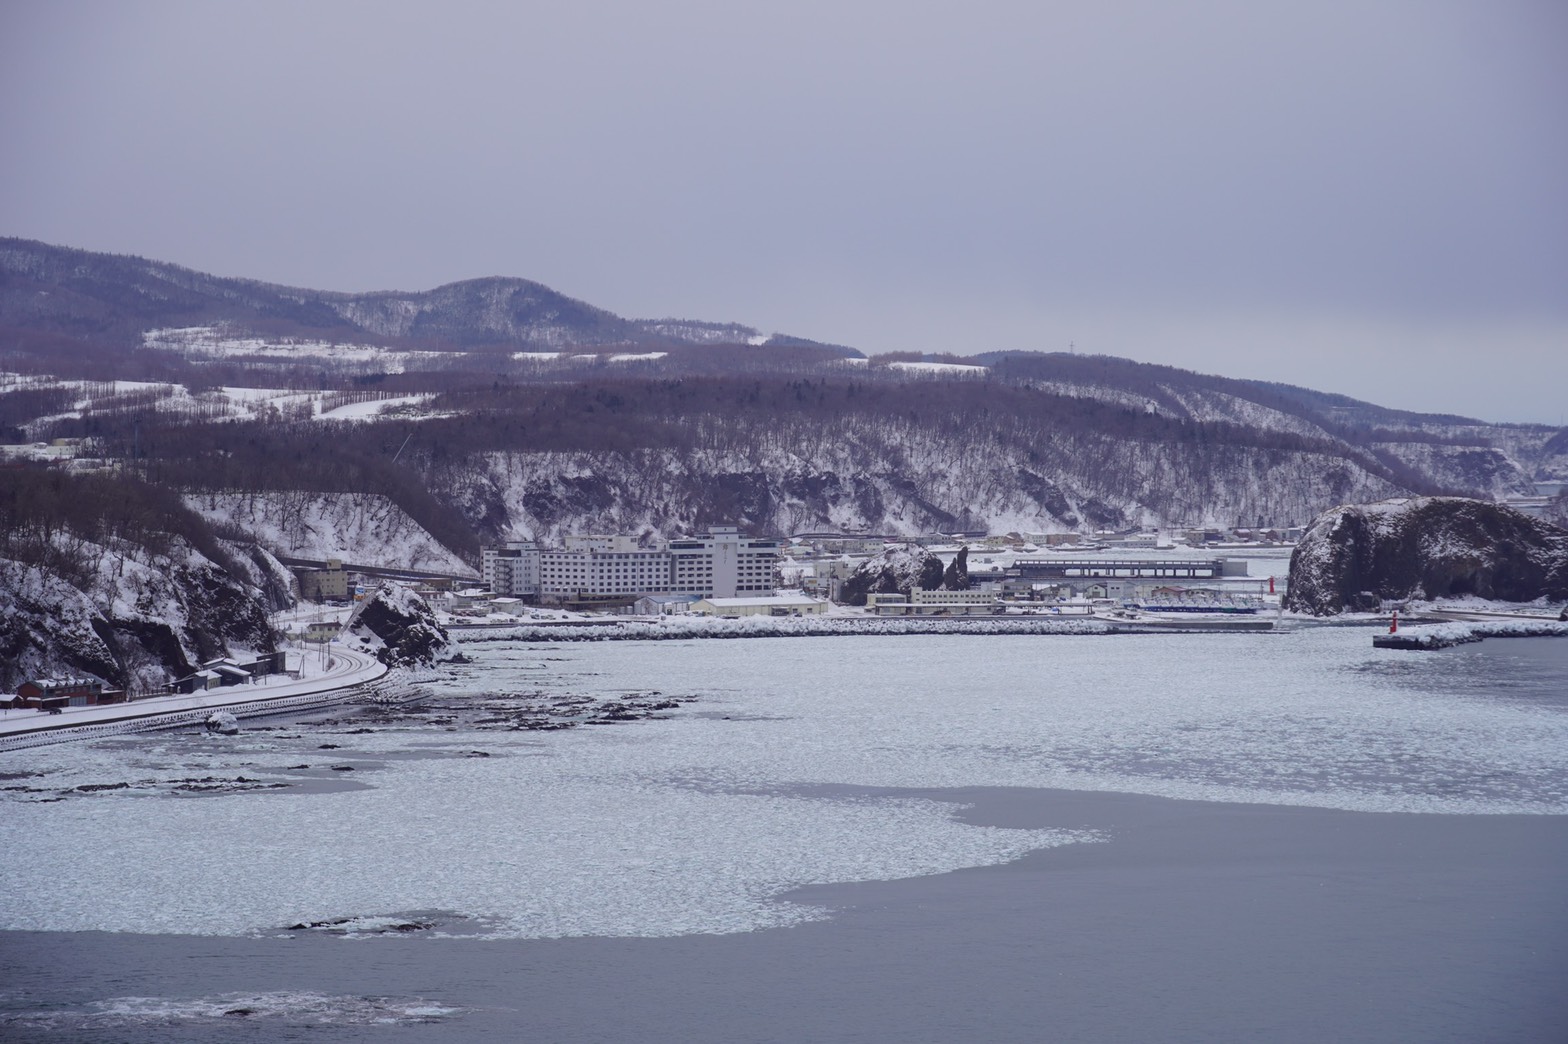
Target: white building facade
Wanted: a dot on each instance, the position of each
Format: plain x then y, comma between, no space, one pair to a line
511,569
603,574
724,563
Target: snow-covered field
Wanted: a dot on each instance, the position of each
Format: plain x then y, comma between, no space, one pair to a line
752,779
216,343
940,369
219,403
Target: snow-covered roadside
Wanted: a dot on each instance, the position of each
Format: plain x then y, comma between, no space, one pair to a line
346,674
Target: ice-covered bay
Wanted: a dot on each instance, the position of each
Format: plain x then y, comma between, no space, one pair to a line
757,781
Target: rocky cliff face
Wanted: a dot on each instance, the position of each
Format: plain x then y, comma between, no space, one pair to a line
881,477
132,619
1425,548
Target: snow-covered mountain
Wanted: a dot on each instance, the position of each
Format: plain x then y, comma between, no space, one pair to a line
526,412
109,299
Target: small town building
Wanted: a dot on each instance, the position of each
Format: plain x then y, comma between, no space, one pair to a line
200,681
762,605
322,630
325,585
468,598
55,693
934,603
603,571
511,569
663,605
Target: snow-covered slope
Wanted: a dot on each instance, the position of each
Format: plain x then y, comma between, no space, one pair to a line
1478,469
361,528
902,478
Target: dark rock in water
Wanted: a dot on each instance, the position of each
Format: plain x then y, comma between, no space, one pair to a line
222,723
374,926
400,627
1425,548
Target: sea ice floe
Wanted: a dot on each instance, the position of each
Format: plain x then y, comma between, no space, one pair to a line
700,820
280,1008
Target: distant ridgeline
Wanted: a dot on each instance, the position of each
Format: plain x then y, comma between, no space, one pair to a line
498,409
1425,548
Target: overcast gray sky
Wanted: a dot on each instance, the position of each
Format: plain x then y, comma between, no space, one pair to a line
1364,197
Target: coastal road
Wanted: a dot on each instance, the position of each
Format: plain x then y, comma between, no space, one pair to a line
345,670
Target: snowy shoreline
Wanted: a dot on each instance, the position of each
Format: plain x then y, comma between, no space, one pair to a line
357,677
775,627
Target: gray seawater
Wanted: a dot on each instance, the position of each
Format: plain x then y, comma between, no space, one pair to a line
567,836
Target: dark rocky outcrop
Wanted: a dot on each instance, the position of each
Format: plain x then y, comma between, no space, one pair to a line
956,578
897,570
1425,548
400,628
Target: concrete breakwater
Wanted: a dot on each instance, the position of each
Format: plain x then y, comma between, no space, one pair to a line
779,627
1446,636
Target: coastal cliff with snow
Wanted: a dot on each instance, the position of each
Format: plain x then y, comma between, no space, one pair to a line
108,576
1425,548
132,619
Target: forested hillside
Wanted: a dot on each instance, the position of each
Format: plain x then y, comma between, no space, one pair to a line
499,407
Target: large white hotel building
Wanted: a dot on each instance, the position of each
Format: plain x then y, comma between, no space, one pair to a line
721,564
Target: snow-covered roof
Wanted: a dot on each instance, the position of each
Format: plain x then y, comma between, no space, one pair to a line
783,599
